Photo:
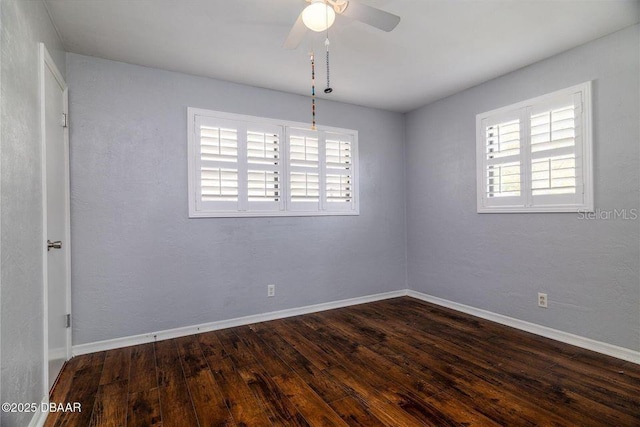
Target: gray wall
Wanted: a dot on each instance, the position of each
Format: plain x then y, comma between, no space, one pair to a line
141,265
499,262
24,24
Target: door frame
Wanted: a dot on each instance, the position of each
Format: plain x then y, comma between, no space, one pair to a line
47,64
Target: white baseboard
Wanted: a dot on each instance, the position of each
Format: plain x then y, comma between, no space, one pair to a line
565,337
40,417
230,323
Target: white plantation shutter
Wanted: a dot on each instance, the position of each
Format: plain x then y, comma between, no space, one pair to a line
251,166
264,167
535,156
338,171
217,164
304,169
556,151
502,161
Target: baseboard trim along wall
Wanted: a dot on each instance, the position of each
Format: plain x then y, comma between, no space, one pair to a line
565,337
40,416
554,334
230,323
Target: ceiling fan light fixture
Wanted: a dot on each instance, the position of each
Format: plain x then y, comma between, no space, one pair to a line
318,16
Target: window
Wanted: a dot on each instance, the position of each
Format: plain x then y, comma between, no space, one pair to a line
535,156
250,166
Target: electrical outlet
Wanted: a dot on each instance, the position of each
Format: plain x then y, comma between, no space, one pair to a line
542,300
271,290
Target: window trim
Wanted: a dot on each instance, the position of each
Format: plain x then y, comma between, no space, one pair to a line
520,109
286,210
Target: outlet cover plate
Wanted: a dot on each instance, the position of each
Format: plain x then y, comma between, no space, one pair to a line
542,300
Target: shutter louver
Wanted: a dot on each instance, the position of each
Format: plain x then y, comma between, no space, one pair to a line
503,180
553,175
218,144
263,148
218,184
263,186
305,187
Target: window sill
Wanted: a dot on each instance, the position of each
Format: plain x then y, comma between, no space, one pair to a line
534,209
269,214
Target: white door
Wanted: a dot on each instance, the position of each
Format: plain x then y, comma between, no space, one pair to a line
56,216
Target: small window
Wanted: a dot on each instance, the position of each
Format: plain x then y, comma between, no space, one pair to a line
535,156
251,166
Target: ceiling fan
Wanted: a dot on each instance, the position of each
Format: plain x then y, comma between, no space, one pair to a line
319,15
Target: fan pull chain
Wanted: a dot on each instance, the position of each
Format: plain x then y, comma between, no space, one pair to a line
313,92
328,89
326,45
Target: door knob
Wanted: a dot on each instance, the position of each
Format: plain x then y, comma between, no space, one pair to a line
53,245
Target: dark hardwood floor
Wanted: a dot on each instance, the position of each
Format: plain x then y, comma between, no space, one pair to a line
399,362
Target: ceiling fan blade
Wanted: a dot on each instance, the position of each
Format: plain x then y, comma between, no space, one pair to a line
296,34
370,15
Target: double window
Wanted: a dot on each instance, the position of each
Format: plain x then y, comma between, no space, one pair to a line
535,156
250,166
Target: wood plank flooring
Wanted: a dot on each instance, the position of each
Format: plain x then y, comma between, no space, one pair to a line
399,362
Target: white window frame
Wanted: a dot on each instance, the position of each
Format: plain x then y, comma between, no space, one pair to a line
285,207
583,148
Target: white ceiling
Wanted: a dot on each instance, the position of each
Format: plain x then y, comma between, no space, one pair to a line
439,48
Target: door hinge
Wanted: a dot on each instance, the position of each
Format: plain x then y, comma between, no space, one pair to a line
68,320
65,120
